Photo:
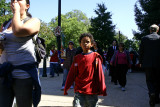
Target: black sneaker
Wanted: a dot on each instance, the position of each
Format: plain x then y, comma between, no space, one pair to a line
152,100
157,101
115,83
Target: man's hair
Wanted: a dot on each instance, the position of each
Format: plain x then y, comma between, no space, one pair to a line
86,35
154,28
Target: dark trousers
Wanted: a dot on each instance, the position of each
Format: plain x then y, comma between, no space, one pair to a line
153,80
120,75
53,68
21,90
113,74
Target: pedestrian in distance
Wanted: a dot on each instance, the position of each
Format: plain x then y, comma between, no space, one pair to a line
96,48
110,53
134,57
149,59
70,53
19,74
53,61
121,61
87,73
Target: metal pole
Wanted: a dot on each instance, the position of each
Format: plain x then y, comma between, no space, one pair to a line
119,36
59,36
44,68
59,12
59,24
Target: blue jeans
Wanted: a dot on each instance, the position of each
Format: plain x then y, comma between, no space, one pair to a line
84,100
65,74
53,68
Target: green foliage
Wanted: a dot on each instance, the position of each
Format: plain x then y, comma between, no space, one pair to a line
72,24
147,12
81,17
47,34
120,37
102,27
132,44
5,11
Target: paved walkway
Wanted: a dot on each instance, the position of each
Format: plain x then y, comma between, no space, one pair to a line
136,94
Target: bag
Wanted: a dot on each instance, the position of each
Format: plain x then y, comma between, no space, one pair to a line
40,48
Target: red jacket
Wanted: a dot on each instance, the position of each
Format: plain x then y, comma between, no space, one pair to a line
54,57
87,79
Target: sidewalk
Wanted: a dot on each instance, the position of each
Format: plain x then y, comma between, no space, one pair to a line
136,94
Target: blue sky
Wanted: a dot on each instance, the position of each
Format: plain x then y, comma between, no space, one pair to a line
122,11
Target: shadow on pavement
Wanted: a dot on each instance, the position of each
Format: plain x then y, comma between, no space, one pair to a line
136,94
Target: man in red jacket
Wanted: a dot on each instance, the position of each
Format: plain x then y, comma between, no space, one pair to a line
86,71
53,61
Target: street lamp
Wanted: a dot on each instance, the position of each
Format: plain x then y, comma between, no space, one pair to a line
119,35
59,24
59,36
44,67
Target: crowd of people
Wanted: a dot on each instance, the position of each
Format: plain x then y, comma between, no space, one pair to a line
83,68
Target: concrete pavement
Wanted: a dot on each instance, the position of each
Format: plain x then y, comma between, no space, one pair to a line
136,94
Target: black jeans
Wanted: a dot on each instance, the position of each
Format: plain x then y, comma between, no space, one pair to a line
113,74
21,90
153,80
121,71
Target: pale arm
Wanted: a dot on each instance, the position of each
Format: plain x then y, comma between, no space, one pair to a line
21,29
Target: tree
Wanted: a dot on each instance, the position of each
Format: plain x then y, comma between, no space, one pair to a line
47,34
72,24
5,11
102,27
132,44
147,12
81,17
118,36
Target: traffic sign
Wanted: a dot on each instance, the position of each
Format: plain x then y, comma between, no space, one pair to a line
57,31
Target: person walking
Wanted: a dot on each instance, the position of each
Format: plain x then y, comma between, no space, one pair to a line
70,53
19,73
121,61
110,53
53,61
149,59
134,57
97,49
86,71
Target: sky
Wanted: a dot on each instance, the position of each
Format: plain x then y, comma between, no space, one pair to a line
122,11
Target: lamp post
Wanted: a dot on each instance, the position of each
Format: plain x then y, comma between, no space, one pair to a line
44,67
59,36
59,24
119,36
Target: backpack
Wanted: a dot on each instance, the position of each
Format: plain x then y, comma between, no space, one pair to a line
40,48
